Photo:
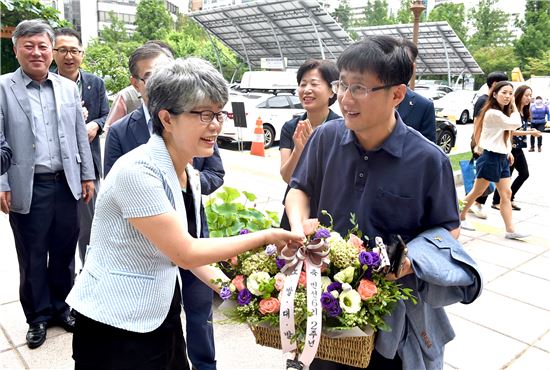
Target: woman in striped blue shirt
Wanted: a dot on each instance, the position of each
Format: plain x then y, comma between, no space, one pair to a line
127,299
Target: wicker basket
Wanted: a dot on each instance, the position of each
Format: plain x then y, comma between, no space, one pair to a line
353,351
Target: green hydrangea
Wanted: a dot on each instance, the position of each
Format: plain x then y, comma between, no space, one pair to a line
259,262
342,254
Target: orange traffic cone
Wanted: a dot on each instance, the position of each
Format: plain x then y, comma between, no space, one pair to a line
257,147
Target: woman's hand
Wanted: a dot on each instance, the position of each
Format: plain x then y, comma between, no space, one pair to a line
280,238
301,134
511,159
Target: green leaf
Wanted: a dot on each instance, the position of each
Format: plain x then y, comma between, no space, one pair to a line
251,197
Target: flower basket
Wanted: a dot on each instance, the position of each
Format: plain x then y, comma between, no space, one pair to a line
352,351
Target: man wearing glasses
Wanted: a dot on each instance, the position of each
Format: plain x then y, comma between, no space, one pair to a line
68,56
135,129
395,182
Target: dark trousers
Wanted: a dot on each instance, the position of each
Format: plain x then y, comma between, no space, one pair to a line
197,303
377,362
520,164
539,127
86,212
45,240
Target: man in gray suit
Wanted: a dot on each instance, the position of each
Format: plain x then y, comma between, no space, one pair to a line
68,55
41,117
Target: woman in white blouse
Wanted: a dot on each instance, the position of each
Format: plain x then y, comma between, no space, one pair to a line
492,133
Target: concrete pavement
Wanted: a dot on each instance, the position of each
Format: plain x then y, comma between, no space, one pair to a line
508,327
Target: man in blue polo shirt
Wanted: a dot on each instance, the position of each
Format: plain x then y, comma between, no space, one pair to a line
395,182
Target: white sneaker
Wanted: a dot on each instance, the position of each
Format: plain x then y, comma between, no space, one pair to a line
464,224
477,210
516,235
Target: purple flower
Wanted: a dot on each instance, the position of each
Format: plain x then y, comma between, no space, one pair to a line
370,259
280,263
330,304
321,234
270,249
334,286
244,297
225,293
244,231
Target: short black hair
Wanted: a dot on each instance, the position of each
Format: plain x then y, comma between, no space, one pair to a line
328,71
411,48
496,76
163,45
68,32
384,56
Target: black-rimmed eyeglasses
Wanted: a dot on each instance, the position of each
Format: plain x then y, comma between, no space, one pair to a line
63,51
207,116
357,91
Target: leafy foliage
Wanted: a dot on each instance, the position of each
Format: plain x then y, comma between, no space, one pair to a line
152,20
404,14
533,43
493,58
491,25
227,215
342,14
454,14
376,14
539,66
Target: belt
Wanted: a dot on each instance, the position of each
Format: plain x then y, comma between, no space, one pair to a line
49,177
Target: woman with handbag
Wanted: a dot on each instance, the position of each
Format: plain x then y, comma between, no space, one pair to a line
522,98
492,132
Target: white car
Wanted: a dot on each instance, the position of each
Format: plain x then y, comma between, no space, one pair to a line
274,111
433,92
456,106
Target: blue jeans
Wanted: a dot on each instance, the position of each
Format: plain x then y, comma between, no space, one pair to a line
197,303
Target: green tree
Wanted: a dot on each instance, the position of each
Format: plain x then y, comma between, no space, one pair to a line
153,20
492,58
376,14
454,14
404,14
538,66
14,12
491,26
533,43
342,14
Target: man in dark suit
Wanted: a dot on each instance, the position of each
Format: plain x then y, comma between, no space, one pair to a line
5,150
132,131
68,55
51,170
415,110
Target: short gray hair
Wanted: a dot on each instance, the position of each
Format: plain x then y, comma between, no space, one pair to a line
183,84
32,27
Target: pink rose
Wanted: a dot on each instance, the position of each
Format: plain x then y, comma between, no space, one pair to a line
310,225
238,281
366,289
356,242
234,261
303,279
270,305
279,281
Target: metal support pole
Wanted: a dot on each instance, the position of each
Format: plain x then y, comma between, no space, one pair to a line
447,59
216,51
242,43
417,8
318,39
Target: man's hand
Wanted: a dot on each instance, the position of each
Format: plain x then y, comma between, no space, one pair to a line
84,111
87,190
92,128
5,201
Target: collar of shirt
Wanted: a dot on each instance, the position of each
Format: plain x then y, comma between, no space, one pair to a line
393,144
79,83
27,80
147,117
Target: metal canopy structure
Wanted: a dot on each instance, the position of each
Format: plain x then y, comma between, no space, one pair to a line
296,30
440,51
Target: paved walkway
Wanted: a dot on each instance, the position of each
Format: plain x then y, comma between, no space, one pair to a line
508,327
